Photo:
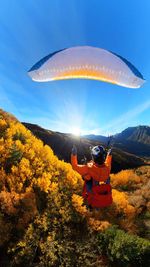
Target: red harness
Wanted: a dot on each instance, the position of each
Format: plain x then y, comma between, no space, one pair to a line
99,196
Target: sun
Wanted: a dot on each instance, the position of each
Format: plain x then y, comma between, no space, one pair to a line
76,131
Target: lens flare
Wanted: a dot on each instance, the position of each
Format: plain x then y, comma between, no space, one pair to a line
76,131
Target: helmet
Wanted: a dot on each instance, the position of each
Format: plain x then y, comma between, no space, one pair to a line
98,154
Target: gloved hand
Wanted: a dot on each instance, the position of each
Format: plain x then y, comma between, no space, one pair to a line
109,152
74,150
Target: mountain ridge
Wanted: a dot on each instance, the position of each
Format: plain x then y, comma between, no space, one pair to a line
135,140
62,143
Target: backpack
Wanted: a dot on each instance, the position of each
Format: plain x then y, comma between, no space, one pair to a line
97,195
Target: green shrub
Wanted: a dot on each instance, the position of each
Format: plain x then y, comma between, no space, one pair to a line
13,159
125,249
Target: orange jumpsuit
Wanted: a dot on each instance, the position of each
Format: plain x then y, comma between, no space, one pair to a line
96,190
99,173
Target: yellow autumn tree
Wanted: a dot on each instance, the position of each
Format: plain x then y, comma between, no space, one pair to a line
127,178
30,172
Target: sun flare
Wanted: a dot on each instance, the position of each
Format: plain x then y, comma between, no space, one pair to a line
76,131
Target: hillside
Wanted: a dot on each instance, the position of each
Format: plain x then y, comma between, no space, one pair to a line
62,145
140,134
43,220
135,140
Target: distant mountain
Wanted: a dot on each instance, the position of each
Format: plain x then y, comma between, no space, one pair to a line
62,144
140,134
135,140
94,137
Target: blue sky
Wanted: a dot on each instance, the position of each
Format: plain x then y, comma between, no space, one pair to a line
31,29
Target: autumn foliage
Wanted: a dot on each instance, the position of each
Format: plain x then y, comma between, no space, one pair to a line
43,219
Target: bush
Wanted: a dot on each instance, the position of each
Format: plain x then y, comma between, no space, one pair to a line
124,249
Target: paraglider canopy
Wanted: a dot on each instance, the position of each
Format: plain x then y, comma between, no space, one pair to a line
87,62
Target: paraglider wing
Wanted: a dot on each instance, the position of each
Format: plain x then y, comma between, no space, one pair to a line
87,62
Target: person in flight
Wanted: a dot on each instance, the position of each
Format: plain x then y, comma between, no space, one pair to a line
97,188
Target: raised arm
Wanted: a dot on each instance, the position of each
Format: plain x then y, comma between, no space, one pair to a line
81,169
108,160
